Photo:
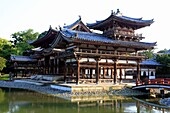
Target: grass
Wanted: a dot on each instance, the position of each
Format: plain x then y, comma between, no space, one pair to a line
4,77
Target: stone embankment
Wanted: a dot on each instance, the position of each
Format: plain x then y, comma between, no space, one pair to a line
31,87
165,101
46,89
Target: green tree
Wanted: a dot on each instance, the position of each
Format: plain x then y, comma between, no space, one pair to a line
2,63
148,53
164,70
21,39
162,51
6,48
164,59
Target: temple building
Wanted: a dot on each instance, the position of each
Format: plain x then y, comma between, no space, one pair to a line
80,55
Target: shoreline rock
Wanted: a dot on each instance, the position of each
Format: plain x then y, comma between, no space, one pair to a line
165,101
53,92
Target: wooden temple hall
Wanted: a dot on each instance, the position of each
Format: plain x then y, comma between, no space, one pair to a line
77,53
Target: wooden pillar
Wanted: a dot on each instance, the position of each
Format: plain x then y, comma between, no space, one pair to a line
120,74
125,73
83,73
148,73
107,71
78,71
104,72
49,66
44,67
91,73
65,72
97,70
54,65
138,73
38,67
136,52
111,73
16,73
35,69
97,49
25,74
115,71
57,66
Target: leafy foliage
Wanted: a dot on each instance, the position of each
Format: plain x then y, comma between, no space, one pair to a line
162,51
164,59
164,70
4,77
21,39
2,63
16,46
6,48
148,53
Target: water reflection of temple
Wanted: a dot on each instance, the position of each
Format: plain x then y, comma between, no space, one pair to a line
22,101
125,105
77,54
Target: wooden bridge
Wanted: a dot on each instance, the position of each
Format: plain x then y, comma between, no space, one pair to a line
153,83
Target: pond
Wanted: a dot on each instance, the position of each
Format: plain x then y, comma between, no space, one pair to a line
24,101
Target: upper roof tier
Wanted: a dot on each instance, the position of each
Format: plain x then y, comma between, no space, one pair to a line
115,19
78,25
99,39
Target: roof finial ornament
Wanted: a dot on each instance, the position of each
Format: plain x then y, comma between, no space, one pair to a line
118,11
50,27
56,28
112,13
79,17
60,27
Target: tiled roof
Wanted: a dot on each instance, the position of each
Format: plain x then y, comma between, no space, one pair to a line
100,38
150,62
73,24
22,58
126,18
85,35
136,19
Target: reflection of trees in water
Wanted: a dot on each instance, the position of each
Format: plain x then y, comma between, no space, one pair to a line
1,96
3,106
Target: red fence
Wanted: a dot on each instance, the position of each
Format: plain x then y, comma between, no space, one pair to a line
154,81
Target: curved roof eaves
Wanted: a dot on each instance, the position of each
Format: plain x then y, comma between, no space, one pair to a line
100,38
43,37
138,20
73,24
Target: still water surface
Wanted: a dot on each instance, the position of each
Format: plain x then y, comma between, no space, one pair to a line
23,101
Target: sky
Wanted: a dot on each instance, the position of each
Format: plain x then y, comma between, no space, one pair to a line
21,15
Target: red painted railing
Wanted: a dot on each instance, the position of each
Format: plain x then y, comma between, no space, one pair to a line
165,81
